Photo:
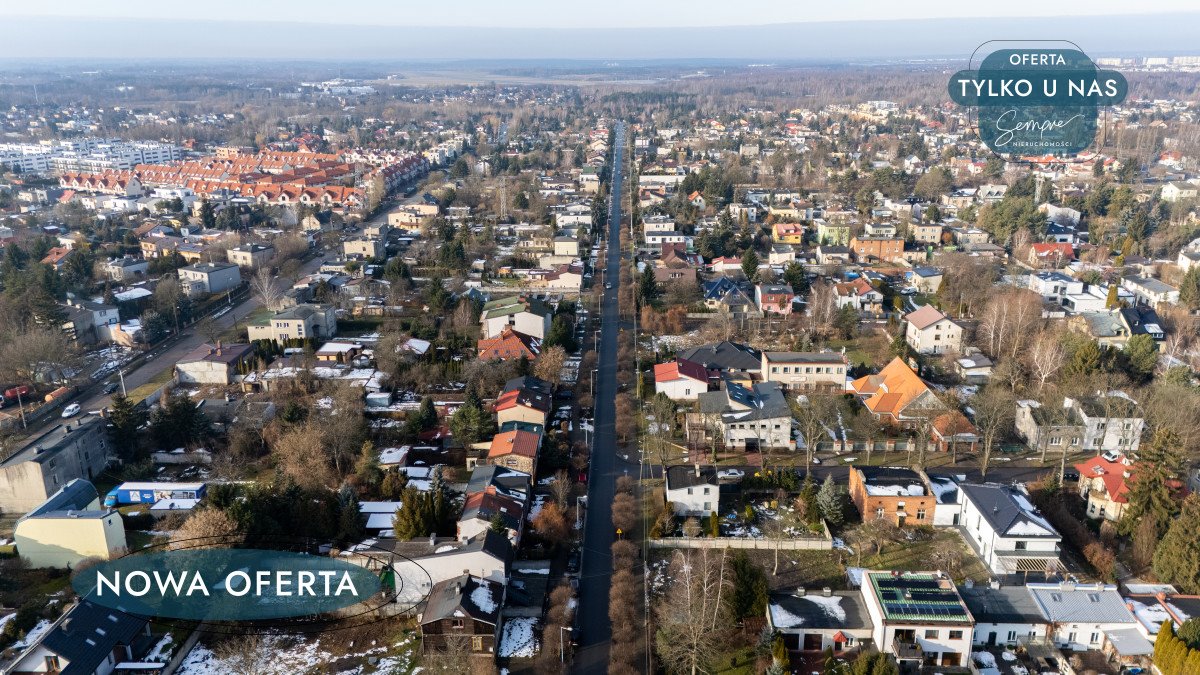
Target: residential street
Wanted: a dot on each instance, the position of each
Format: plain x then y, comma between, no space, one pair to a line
596,569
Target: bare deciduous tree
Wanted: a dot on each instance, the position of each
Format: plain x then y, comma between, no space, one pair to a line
691,617
266,288
1046,357
246,654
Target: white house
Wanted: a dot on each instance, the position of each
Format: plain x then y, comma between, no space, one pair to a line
918,617
931,332
1151,291
1006,531
209,278
426,562
680,380
1080,614
693,490
1054,286
1004,615
528,316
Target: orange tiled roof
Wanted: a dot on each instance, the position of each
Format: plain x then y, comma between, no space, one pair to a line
890,391
521,443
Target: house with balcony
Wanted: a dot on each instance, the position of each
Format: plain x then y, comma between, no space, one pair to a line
1150,291
1006,531
1004,615
774,298
1104,484
919,618
301,322
1080,615
744,417
806,371
859,294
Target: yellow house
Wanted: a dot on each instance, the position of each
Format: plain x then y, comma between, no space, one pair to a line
68,527
788,233
522,405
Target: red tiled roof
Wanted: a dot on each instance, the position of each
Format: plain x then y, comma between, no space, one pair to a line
522,443
1116,483
678,369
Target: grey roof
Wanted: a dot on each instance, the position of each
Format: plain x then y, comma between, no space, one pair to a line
723,355
946,489
805,357
1007,604
42,448
1008,511
1152,285
88,634
684,476
455,597
812,612
1066,602
76,495
492,543
507,481
737,403
528,382
208,267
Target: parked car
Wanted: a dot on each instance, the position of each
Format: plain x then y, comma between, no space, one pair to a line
573,562
71,410
730,475
110,387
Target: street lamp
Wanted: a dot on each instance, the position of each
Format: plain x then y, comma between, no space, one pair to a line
562,651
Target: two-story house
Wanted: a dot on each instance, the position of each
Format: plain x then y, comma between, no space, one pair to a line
301,322
929,331
1006,531
896,494
919,618
251,256
526,315
1104,482
859,294
745,417
806,371
462,614
774,298
693,490
209,278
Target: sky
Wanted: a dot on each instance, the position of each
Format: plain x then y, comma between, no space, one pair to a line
567,14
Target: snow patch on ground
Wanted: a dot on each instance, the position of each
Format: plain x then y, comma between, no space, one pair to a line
984,659
33,635
518,639
286,655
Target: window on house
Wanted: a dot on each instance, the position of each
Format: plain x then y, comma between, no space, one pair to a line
477,644
1095,638
1021,545
920,514
879,512
457,624
931,635
1012,636
956,635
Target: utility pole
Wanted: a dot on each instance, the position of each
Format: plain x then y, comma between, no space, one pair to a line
121,376
21,405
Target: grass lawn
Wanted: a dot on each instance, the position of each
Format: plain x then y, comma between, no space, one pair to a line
914,556
139,394
873,348
740,662
137,540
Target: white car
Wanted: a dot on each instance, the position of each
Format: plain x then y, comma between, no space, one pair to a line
71,410
730,475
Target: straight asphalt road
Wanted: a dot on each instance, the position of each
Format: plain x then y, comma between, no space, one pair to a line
596,568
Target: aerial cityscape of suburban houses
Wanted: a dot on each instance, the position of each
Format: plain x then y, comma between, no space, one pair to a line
610,382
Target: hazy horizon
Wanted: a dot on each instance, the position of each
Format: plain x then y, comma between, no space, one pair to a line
53,37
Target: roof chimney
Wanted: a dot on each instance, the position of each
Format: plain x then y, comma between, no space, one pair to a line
697,469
